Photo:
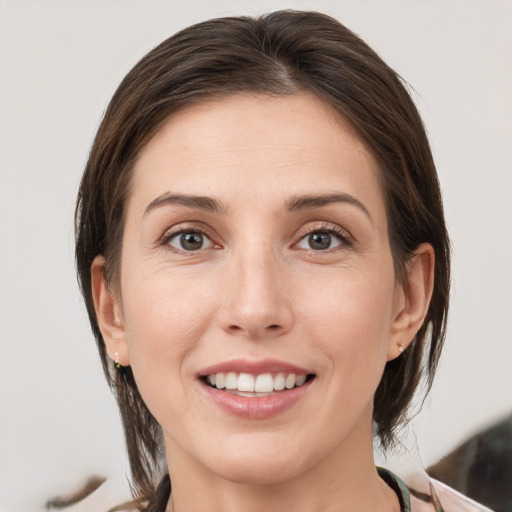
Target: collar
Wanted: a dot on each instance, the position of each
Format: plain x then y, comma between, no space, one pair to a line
402,491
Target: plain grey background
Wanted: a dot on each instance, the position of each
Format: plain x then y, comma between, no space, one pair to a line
61,61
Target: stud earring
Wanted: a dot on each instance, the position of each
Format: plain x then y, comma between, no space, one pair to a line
401,348
117,364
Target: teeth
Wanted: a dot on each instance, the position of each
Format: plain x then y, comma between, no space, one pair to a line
231,380
220,381
279,381
247,383
264,383
300,380
290,381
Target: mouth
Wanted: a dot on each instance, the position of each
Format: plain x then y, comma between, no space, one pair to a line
256,385
256,390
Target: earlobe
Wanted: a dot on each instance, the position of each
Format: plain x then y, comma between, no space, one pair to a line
412,300
109,314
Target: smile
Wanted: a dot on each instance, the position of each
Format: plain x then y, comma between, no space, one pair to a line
255,390
249,385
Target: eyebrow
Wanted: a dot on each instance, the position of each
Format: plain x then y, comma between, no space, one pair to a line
297,203
204,203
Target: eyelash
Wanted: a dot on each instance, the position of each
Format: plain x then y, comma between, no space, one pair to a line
339,233
182,229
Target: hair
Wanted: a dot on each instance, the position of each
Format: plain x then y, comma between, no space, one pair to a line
281,53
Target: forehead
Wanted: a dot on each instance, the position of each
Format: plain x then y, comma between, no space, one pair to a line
263,146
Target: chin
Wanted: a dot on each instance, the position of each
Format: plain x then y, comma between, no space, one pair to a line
262,461
260,472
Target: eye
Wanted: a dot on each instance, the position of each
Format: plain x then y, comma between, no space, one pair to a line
323,240
320,241
189,241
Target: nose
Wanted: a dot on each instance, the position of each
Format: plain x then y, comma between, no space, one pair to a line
256,303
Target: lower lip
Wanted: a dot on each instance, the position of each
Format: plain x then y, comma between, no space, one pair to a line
256,408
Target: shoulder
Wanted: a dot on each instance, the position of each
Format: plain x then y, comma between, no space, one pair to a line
453,501
440,499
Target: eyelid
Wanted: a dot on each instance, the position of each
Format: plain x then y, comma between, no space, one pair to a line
340,233
177,238
186,227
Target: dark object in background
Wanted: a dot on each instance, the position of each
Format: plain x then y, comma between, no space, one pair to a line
90,486
481,468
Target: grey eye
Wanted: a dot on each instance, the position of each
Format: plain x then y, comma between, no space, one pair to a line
190,241
319,241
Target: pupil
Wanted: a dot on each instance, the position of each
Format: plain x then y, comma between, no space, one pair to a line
319,241
191,241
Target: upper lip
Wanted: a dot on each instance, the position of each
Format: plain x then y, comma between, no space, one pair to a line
254,367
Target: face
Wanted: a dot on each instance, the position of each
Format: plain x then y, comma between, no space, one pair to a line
257,301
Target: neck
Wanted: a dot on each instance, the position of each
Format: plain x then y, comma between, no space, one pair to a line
345,480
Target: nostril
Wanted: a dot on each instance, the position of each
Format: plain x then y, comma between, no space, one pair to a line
253,331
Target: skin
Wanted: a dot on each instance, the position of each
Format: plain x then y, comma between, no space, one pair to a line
257,289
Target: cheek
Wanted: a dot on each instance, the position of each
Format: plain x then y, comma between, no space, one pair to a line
165,316
349,316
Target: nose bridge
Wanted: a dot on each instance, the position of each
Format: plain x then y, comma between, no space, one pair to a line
255,304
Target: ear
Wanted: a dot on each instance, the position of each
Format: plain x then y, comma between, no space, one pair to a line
109,314
412,300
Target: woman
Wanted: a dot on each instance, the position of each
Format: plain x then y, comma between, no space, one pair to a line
263,254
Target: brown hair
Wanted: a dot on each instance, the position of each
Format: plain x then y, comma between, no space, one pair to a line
280,53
